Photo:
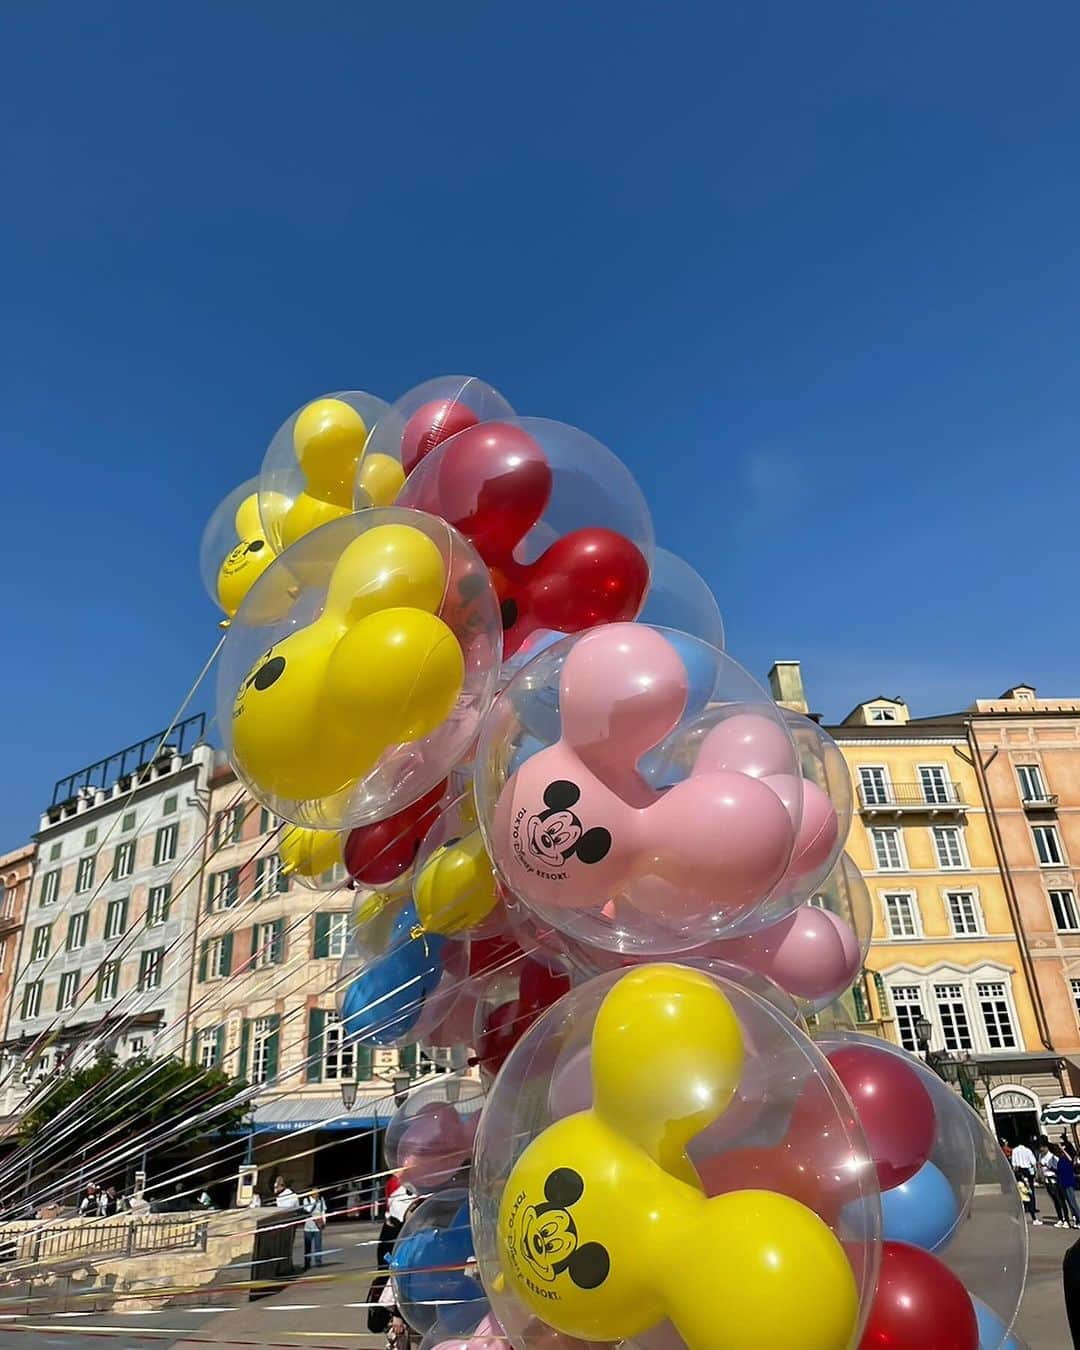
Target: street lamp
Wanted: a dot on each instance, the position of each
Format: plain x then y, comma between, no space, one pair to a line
922,1032
348,1093
401,1087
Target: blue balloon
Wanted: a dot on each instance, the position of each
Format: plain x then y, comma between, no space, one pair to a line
923,1211
992,1329
427,1268
384,1002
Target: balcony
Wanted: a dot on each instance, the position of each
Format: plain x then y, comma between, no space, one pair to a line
8,922
1039,801
896,798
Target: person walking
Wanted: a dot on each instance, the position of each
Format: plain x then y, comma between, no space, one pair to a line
90,1204
1048,1172
284,1195
399,1205
109,1203
314,1206
1025,1169
1065,1175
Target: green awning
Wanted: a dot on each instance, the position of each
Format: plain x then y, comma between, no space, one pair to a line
1062,1111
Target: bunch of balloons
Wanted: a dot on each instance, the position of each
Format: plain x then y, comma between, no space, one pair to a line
587,845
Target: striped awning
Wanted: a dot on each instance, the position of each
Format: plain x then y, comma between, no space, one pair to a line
1062,1111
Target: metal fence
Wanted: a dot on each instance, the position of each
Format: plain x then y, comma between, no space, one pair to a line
65,1240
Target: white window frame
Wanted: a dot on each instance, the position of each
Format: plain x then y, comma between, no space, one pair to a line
166,843
107,988
1074,926
945,784
261,1031
906,1023
898,835
913,914
67,993
1051,832
41,938
208,1042
1025,771
925,982
125,854
955,832
112,909
215,959
84,874
151,971
3,954
268,875
225,889
50,887
30,1005
1074,988
158,900
982,999
337,935
959,1005
82,918
979,929
875,793
269,944
339,1056
882,714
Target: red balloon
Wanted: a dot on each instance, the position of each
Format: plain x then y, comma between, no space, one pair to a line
493,484
822,1183
538,988
918,1304
893,1107
377,854
585,578
430,425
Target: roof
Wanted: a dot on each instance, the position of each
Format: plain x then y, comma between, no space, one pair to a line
287,1114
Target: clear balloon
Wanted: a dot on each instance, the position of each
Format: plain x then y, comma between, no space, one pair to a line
309,469
454,885
233,551
554,514
429,1140
413,425
680,598
588,833
378,854
615,1221
358,700
433,1269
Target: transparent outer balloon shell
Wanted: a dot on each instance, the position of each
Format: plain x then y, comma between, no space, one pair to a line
430,1136
987,1245
219,537
429,1269
590,488
526,719
456,823
282,480
479,398
780,1062
293,591
680,598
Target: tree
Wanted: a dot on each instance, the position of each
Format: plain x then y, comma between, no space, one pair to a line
117,1111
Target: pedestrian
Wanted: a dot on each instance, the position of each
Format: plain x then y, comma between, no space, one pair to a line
1025,1168
90,1204
1006,1148
1066,1180
109,1203
284,1195
399,1205
1048,1163
1070,1278
314,1207
1068,1147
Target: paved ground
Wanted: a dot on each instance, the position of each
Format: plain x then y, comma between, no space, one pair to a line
321,1309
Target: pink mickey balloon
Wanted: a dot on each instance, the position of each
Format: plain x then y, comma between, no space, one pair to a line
750,743
434,1145
812,954
815,816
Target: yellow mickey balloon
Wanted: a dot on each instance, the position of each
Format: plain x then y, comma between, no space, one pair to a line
604,1230
382,478
377,668
455,889
309,853
328,439
247,561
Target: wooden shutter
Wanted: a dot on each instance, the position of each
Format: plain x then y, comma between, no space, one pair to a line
277,943
322,936
219,1058
364,1060
245,1050
203,953
227,943
272,1047
408,1059
195,1048
315,1044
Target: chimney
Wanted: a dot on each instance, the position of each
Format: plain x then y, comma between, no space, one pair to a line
786,686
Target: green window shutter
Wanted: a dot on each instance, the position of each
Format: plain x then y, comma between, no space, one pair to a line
203,946
243,1068
859,999
195,1047
277,944
316,1027
227,942
365,1060
408,1059
272,1047
220,1055
322,936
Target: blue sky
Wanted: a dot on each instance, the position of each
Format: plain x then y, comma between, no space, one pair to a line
812,271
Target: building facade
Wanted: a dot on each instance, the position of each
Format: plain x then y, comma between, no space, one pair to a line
105,956
16,878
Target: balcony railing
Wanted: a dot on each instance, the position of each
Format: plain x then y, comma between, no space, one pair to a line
911,797
1039,801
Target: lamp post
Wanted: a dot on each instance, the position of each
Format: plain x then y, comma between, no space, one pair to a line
348,1093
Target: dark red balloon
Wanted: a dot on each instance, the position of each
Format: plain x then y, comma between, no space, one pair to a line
588,577
918,1304
493,484
430,425
893,1107
377,854
789,1169
539,986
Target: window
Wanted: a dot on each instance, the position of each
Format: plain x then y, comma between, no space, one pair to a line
228,825
169,805
963,913
934,783
50,888
215,958
882,714
224,890
1047,845
84,876
116,919
955,1030
31,999
331,935
54,851
267,821
269,877
3,955
108,981
901,915
150,968
268,943
91,838
997,1019
135,1047
338,1060
128,822
948,846
1066,916
1032,787
874,785
1074,985
39,947
157,905
263,1049
165,843
124,860
208,1052
885,840
68,991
